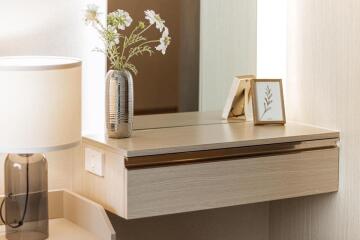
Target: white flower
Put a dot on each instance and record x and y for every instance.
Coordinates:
(120, 18)
(91, 14)
(165, 41)
(112, 36)
(155, 18)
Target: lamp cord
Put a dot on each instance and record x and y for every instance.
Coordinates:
(21, 222)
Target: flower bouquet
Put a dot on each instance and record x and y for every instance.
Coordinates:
(120, 48)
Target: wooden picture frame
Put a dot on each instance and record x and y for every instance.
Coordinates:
(268, 101)
(238, 103)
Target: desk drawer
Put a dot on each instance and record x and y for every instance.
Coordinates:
(157, 185)
(170, 189)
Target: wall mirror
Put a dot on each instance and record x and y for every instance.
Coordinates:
(212, 41)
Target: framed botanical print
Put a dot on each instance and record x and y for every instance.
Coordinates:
(268, 101)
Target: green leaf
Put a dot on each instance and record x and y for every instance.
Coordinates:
(131, 67)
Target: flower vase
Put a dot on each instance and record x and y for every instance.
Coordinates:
(119, 104)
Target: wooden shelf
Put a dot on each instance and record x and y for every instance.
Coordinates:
(204, 162)
(75, 217)
(62, 229)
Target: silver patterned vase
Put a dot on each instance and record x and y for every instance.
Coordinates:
(119, 104)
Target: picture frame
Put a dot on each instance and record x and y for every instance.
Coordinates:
(268, 101)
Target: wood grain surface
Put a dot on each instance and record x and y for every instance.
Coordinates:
(185, 188)
(206, 137)
(110, 190)
(311, 165)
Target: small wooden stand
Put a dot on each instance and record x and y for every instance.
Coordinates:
(239, 102)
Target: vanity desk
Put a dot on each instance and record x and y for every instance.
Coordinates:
(185, 162)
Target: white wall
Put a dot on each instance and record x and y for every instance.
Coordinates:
(94, 71)
(227, 47)
(40, 27)
(271, 39)
(323, 89)
(55, 27)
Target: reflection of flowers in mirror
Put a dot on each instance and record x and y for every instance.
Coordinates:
(155, 18)
(164, 41)
(121, 48)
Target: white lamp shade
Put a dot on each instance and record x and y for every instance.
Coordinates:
(40, 104)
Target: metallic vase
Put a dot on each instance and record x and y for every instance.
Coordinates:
(119, 104)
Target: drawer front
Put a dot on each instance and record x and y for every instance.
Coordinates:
(206, 185)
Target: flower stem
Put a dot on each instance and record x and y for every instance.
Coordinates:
(120, 53)
(125, 45)
(152, 41)
(136, 52)
(123, 51)
(144, 30)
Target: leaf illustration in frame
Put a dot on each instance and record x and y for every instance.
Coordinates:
(267, 101)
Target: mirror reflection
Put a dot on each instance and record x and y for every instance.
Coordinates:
(212, 41)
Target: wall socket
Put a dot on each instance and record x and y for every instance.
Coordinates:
(94, 161)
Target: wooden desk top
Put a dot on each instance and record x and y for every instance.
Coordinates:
(184, 132)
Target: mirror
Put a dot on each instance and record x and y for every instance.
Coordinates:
(212, 41)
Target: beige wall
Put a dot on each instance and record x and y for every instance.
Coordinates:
(323, 89)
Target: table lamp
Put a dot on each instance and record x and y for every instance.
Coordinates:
(40, 109)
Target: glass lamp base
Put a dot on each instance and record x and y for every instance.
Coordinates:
(26, 201)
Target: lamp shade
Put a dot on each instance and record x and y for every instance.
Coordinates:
(40, 104)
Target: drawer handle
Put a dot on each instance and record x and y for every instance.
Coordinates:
(228, 153)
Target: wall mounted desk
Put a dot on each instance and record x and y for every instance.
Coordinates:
(186, 162)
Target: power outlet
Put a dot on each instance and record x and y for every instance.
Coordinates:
(94, 162)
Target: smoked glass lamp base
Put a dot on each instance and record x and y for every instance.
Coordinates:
(26, 201)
